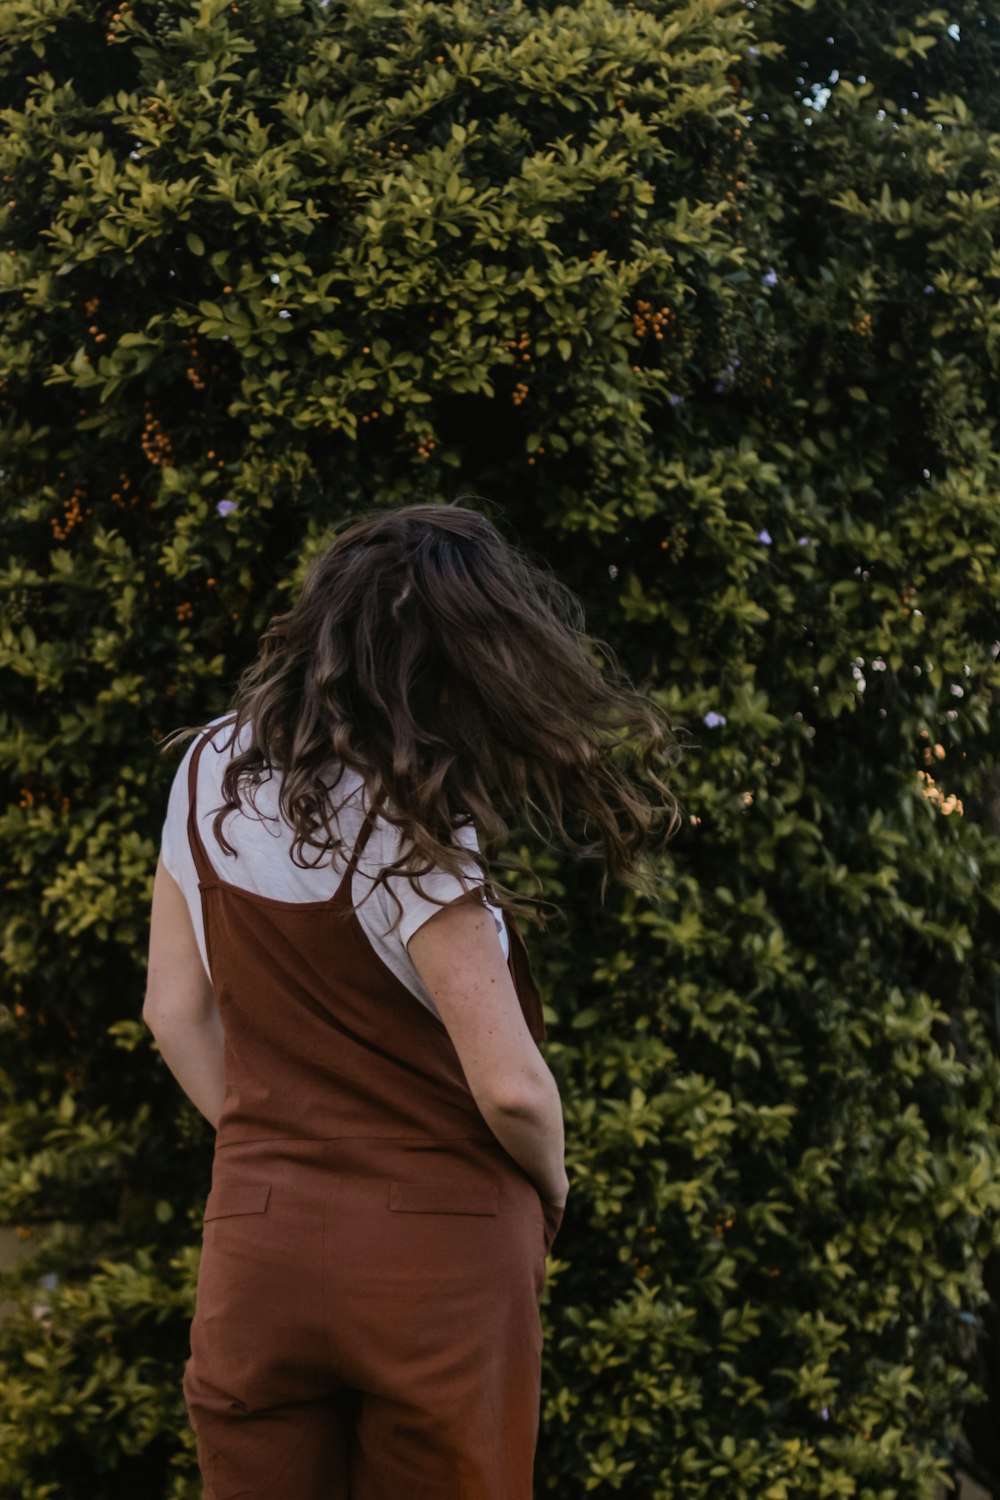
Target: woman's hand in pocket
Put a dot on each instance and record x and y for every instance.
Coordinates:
(552, 1216)
(558, 1198)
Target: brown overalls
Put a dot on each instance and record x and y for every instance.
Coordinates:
(367, 1320)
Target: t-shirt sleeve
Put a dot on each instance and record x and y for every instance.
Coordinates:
(173, 835)
(417, 909)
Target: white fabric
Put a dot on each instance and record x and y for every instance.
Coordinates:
(262, 863)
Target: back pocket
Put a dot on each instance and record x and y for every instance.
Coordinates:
(229, 1198)
(442, 1198)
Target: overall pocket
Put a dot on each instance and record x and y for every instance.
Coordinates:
(229, 1198)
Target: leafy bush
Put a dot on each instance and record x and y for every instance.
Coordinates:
(703, 298)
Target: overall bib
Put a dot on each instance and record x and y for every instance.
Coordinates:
(367, 1321)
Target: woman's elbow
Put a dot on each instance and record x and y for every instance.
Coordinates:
(153, 1013)
(170, 1011)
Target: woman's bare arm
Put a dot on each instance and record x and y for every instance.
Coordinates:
(458, 957)
(180, 1008)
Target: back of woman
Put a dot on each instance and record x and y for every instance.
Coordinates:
(340, 983)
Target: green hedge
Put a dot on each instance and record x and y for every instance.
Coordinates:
(717, 331)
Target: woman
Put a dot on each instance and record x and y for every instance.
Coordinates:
(388, 1175)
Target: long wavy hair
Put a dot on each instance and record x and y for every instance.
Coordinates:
(453, 672)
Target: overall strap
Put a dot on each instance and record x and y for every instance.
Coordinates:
(201, 860)
(343, 892)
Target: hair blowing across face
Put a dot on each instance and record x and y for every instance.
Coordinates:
(454, 675)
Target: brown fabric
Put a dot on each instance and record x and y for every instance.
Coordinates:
(367, 1323)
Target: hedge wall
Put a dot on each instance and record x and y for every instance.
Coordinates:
(703, 298)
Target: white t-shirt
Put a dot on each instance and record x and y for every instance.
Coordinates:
(262, 863)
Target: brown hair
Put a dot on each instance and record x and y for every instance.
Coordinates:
(450, 670)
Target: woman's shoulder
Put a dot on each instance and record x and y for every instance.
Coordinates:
(344, 786)
(226, 744)
(210, 738)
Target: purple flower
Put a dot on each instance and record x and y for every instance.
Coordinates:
(728, 375)
(765, 537)
(751, 52)
(928, 289)
(712, 719)
(613, 569)
(769, 278)
(825, 1414)
(675, 400)
(225, 506)
(804, 541)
